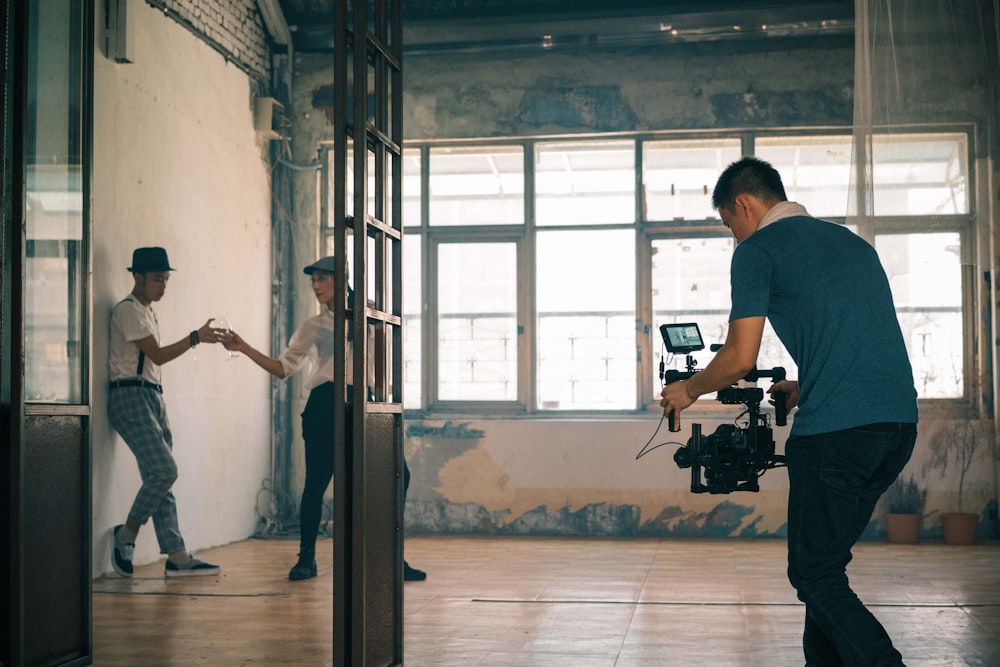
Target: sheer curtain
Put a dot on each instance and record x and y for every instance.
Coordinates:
(917, 64)
(923, 179)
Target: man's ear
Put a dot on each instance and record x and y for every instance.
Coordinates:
(744, 203)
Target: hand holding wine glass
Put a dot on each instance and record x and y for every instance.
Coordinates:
(225, 332)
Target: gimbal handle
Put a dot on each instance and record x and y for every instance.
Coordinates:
(777, 374)
(670, 377)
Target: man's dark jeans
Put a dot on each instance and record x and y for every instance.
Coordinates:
(835, 479)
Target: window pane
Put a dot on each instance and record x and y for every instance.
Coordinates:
(585, 183)
(411, 187)
(349, 194)
(920, 174)
(586, 320)
(925, 275)
(679, 176)
(477, 322)
(55, 276)
(690, 279)
(477, 186)
(412, 340)
(816, 170)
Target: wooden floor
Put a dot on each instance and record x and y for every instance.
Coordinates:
(540, 602)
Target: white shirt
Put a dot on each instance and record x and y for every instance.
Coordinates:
(312, 344)
(131, 321)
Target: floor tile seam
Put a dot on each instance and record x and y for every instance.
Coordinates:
(191, 594)
(709, 603)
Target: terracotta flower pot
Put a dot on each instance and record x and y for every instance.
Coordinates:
(959, 528)
(903, 528)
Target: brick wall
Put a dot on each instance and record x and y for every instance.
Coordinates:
(234, 28)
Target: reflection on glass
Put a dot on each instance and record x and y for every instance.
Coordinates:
(482, 185)
(679, 175)
(584, 183)
(925, 275)
(477, 322)
(55, 277)
(586, 320)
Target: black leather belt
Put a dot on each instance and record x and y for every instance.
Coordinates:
(136, 383)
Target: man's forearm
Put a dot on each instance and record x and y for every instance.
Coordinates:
(723, 371)
(163, 355)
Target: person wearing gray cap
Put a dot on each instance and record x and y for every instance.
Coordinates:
(313, 341)
(138, 413)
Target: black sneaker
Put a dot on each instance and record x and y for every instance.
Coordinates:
(121, 553)
(412, 573)
(194, 567)
(305, 568)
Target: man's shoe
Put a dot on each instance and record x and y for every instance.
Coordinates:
(121, 553)
(412, 574)
(194, 567)
(305, 568)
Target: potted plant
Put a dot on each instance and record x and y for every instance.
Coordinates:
(958, 445)
(904, 510)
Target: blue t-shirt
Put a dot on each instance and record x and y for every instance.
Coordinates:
(827, 296)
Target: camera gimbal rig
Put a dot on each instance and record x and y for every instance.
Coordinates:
(733, 457)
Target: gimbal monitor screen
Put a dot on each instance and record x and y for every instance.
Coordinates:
(682, 338)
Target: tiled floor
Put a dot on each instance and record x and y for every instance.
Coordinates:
(549, 602)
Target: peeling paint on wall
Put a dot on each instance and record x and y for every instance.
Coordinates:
(826, 104)
(600, 108)
(446, 430)
(322, 100)
(461, 485)
(580, 478)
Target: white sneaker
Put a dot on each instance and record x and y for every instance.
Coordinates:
(121, 553)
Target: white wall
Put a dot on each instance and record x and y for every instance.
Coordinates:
(177, 164)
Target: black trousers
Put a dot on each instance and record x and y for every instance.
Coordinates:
(835, 480)
(317, 432)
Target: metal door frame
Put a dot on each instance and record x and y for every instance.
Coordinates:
(368, 472)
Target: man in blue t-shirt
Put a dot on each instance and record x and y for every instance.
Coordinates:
(828, 299)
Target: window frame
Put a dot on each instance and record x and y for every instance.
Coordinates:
(646, 231)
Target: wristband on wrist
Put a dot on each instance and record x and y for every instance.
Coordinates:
(193, 338)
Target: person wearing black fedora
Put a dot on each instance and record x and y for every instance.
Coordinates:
(313, 342)
(138, 413)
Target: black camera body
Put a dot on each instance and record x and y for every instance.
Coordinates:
(735, 456)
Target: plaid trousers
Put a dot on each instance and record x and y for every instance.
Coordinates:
(139, 414)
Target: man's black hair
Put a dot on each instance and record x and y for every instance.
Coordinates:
(751, 176)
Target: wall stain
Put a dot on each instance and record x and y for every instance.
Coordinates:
(595, 519)
(446, 430)
(826, 104)
(600, 108)
(322, 99)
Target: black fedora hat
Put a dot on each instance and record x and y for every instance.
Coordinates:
(146, 260)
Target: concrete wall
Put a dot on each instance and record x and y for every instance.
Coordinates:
(557, 476)
(177, 164)
(597, 90)
(582, 477)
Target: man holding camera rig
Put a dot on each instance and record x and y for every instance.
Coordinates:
(827, 297)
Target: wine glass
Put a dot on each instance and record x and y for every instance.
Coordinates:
(223, 323)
